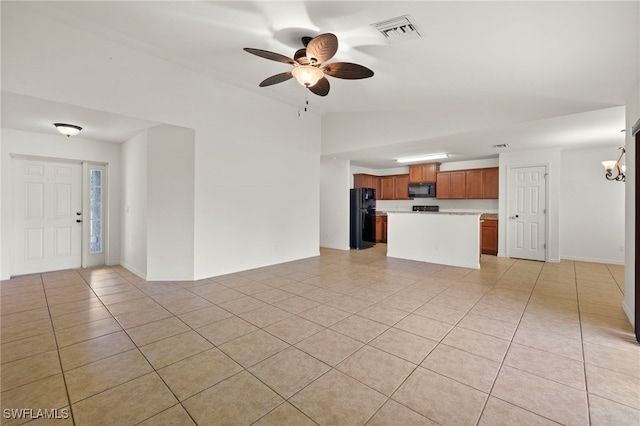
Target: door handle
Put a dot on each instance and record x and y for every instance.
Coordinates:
(514, 217)
(78, 220)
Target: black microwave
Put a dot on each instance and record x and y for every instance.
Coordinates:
(422, 190)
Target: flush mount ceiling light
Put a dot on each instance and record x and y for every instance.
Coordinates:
(68, 129)
(614, 169)
(422, 158)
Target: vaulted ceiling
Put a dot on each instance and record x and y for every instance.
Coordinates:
(531, 74)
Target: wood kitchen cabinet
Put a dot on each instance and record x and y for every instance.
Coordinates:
(482, 183)
(363, 180)
(491, 183)
(489, 237)
(451, 185)
(381, 229)
(423, 172)
(401, 187)
(474, 184)
(468, 184)
(394, 187)
(386, 188)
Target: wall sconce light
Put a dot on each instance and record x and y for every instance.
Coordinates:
(615, 170)
(68, 129)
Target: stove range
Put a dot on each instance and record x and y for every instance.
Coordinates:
(426, 208)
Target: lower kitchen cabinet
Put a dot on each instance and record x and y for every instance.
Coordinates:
(381, 229)
(489, 237)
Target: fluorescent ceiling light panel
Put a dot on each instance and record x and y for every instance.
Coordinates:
(422, 158)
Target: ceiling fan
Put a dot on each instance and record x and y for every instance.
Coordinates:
(309, 68)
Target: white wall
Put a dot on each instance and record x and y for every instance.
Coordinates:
(134, 202)
(16, 142)
(545, 157)
(335, 181)
(632, 116)
(256, 164)
(591, 208)
(471, 164)
(170, 203)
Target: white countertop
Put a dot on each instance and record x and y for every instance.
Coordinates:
(455, 213)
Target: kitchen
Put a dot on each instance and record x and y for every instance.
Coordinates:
(454, 204)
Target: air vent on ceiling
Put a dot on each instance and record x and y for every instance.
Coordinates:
(501, 145)
(397, 29)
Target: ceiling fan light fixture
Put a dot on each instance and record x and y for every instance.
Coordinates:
(307, 75)
(423, 158)
(68, 129)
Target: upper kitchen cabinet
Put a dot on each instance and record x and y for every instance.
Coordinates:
(451, 185)
(394, 187)
(482, 183)
(423, 172)
(401, 187)
(491, 183)
(362, 180)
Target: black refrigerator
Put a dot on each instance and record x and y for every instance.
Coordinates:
(362, 220)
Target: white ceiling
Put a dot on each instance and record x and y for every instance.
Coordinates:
(539, 74)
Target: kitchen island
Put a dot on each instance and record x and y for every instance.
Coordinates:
(445, 238)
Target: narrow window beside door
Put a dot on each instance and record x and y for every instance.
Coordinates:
(95, 214)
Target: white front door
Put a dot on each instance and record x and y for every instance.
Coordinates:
(527, 213)
(47, 216)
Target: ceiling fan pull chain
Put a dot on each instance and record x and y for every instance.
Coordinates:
(301, 112)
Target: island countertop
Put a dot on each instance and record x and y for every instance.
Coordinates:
(453, 213)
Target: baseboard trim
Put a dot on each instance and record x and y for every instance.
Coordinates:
(592, 260)
(629, 312)
(134, 270)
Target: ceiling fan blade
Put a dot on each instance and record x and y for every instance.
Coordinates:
(278, 78)
(322, 48)
(347, 70)
(301, 57)
(270, 55)
(321, 88)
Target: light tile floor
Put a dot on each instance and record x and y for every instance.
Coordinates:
(347, 338)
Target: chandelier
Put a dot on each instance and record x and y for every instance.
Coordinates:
(614, 169)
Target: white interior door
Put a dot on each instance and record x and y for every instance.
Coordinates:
(47, 207)
(527, 213)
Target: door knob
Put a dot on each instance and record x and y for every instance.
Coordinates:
(78, 220)
(514, 217)
(79, 213)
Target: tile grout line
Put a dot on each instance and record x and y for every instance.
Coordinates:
(343, 291)
(55, 335)
(584, 360)
(489, 393)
